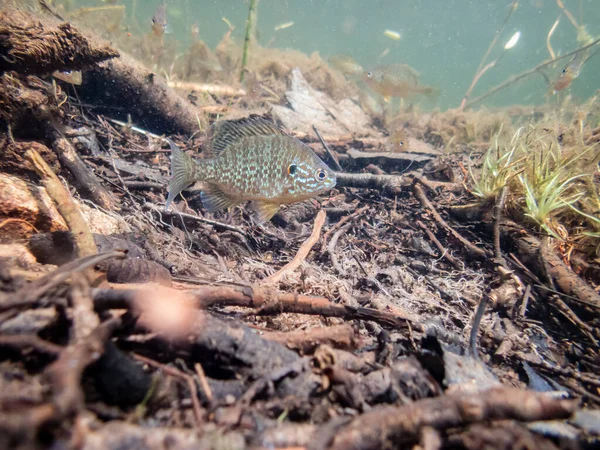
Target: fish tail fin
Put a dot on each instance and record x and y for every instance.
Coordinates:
(183, 172)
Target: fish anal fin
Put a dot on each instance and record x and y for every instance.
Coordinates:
(214, 199)
(264, 211)
(227, 132)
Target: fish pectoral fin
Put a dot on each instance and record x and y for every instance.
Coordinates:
(214, 199)
(264, 211)
(386, 98)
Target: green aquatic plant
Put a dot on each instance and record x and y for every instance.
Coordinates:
(547, 198)
(499, 166)
(548, 181)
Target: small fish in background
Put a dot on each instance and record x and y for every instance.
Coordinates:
(569, 73)
(396, 80)
(346, 64)
(252, 159)
(283, 26)
(71, 76)
(159, 19)
(393, 35)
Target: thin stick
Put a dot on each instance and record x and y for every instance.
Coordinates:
(216, 89)
(342, 221)
(331, 249)
(548, 44)
(443, 251)
(471, 248)
(522, 75)
(250, 36)
(176, 373)
(302, 252)
(567, 13)
(84, 241)
(204, 382)
(479, 72)
(476, 323)
(474, 82)
(326, 147)
(497, 219)
(30, 340)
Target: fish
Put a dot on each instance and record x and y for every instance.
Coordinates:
(569, 73)
(251, 159)
(69, 76)
(394, 35)
(159, 19)
(346, 64)
(283, 26)
(396, 80)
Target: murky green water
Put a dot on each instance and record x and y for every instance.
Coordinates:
(443, 40)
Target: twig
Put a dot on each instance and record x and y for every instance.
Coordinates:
(216, 89)
(341, 222)
(250, 36)
(218, 225)
(266, 299)
(471, 248)
(30, 340)
(399, 426)
(479, 72)
(303, 251)
(525, 301)
(476, 323)
(84, 241)
(571, 316)
(498, 208)
(550, 33)
(526, 73)
(567, 13)
(44, 4)
(176, 373)
(33, 292)
(336, 164)
(474, 82)
(443, 251)
(331, 249)
(387, 183)
(204, 382)
(306, 341)
(85, 180)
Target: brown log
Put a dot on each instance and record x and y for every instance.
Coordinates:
(128, 86)
(40, 46)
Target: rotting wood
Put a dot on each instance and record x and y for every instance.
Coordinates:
(35, 45)
(84, 241)
(85, 180)
(145, 96)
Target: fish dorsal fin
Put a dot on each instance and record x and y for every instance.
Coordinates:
(227, 132)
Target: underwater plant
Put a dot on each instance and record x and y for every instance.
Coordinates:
(550, 183)
(498, 168)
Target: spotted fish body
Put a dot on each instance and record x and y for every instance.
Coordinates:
(252, 160)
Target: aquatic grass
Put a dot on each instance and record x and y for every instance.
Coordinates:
(497, 170)
(544, 201)
(547, 181)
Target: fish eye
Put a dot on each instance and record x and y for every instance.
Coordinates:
(370, 74)
(320, 174)
(291, 170)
